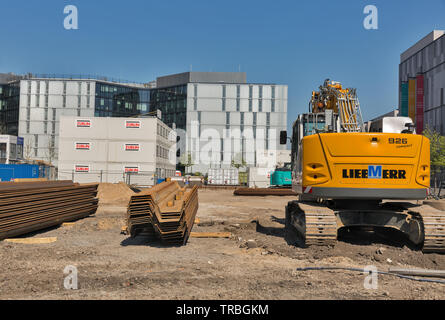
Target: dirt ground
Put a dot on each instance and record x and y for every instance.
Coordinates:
(113, 266)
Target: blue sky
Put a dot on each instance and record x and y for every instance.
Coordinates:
(298, 43)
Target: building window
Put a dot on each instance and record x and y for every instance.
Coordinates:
(37, 100)
(80, 88)
(88, 88)
(238, 91)
(54, 114)
(64, 101)
(250, 92)
(54, 127)
(46, 101)
(254, 118)
(268, 118)
(224, 104)
(46, 114)
(242, 118)
(224, 91)
(78, 112)
(250, 105)
(260, 92)
(195, 104)
(36, 140)
(78, 102)
(29, 100)
(45, 127)
(273, 105)
(64, 87)
(28, 113)
(47, 87)
(227, 117)
(260, 105)
(29, 87)
(27, 126)
(195, 90)
(273, 92)
(38, 87)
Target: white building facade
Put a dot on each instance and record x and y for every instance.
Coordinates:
(221, 118)
(94, 149)
(32, 107)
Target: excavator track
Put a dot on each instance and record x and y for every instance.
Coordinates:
(316, 224)
(433, 227)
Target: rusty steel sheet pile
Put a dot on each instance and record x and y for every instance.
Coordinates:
(166, 212)
(30, 206)
(264, 192)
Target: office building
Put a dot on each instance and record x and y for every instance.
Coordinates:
(31, 106)
(221, 118)
(422, 82)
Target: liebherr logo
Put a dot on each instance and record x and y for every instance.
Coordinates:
(373, 172)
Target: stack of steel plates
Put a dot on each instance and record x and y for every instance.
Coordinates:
(31, 206)
(166, 211)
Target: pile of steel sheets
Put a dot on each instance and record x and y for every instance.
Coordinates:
(264, 192)
(29, 206)
(166, 212)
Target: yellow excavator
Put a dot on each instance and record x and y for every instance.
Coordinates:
(350, 176)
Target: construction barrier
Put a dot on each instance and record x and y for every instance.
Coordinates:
(166, 212)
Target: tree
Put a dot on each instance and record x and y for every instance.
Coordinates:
(238, 162)
(27, 149)
(186, 160)
(437, 143)
(50, 151)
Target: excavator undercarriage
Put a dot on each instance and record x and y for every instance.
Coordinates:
(319, 223)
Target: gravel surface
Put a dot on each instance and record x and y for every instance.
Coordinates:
(258, 262)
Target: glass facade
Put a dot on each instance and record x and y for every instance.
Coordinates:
(120, 101)
(172, 102)
(9, 108)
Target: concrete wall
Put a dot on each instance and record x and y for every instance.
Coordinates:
(109, 147)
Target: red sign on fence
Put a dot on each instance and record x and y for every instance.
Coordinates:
(131, 169)
(82, 168)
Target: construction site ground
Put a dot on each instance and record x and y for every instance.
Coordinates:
(112, 265)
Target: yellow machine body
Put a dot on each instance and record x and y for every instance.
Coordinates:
(364, 166)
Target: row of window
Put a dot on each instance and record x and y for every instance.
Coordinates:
(164, 173)
(162, 131)
(162, 152)
(79, 87)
